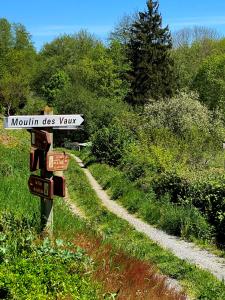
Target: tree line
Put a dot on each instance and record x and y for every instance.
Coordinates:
(153, 104)
(141, 63)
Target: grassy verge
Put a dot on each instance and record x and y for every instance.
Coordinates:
(200, 284)
(32, 268)
(180, 220)
(152, 199)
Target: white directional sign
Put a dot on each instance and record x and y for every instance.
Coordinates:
(55, 121)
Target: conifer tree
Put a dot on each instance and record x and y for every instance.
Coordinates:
(148, 50)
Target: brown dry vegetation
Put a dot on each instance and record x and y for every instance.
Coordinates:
(7, 139)
(128, 277)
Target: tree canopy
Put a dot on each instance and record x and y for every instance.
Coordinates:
(148, 50)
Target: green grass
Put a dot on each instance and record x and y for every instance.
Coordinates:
(14, 172)
(180, 220)
(32, 268)
(199, 283)
(21, 209)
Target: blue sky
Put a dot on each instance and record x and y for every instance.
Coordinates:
(46, 19)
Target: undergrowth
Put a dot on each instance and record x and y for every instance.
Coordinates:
(35, 269)
(121, 235)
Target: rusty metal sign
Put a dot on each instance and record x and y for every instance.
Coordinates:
(40, 139)
(59, 186)
(42, 187)
(56, 161)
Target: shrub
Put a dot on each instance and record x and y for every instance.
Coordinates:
(109, 144)
(203, 191)
(136, 161)
(33, 106)
(180, 114)
(184, 123)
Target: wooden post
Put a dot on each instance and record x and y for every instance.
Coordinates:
(47, 204)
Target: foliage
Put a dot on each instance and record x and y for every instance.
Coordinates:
(122, 236)
(30, 269)
(17, 64)
(33, 105)
(56, 83)
(180, 114)
(109, 144)
(183, 123)
(209, 82)
(189, 56)
(137, 162)
(97, 112)
(79, 74)
(151, 74)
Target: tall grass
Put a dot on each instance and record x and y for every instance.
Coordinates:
(180, 220)
(31, 268)
(121, 235)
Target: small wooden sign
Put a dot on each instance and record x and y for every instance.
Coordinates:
(42, 187)
(59, 186)
(56, 161)
(37, 158)
(40, 139)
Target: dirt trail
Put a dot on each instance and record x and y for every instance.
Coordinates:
(182, 249)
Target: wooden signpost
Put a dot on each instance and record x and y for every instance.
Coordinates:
(43, 158)
(40, 139)
(37, 159)
(59, 186)
(42, 187)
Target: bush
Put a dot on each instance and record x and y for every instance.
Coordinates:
(185, 126)
(137, 162)
(109, 144)
(155, 203)
(201, 190)
(180, 114)
(33, 106)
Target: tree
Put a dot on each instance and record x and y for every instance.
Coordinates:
(152, 75)
(210, 82)
(17, 63)
(121, 32)
(22, 38)
(57, 82)
(191, 47)
(6, 38)
(188, 35)
(15, 81)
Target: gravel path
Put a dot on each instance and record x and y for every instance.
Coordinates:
(180, 248)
